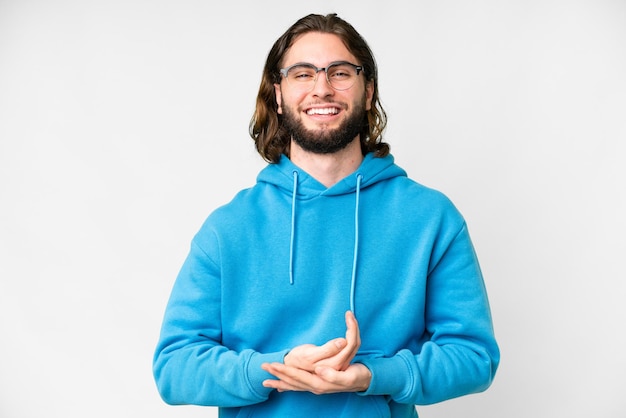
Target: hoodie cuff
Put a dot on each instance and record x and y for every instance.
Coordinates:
(390, 376)
(256, 375)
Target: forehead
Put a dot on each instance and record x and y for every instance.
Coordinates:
(317, 48)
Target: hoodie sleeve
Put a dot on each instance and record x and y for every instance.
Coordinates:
(191, 366)
(461, 355)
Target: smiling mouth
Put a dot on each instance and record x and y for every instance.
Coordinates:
(323, 111)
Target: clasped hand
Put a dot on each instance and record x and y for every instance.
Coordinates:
(322, 369)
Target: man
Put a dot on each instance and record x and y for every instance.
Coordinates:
(262, 319)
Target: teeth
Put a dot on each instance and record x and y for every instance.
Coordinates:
(323, 111)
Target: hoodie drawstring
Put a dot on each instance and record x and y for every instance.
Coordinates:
(356, 241)
(359, 178)
(293, 224)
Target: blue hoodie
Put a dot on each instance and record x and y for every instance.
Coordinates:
(280, 264)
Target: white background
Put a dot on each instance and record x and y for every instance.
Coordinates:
(124, 123)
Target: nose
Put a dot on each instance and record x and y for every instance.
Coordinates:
(322, 87)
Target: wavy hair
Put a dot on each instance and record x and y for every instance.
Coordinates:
(266, 127)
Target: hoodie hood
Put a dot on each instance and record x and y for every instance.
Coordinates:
(372, 170)
(294, 181)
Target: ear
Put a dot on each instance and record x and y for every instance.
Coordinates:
(369, 94)
(279, 98)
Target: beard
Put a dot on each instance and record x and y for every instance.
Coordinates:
(324, 140)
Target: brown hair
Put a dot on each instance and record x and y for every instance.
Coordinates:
(266, 128)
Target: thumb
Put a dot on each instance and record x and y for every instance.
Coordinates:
(335, 346)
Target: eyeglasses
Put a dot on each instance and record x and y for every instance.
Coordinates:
(341, 75)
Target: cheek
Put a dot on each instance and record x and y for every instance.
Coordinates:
(289, 100)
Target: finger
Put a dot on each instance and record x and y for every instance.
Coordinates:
(282, 385)
(331, 348)
(279, 385)
(329, 380)
(353, 342)
(356, 379)
(306, 356)
(289, 378)
(320, 353)
(285, 373)
(342, 360)
(353, 336)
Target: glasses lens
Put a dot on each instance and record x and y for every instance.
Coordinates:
(341, 76)
(302, 74)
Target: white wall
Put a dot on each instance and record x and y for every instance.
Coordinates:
(124, 123)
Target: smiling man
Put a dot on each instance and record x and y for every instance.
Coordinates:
(325, 117)
(336, 286)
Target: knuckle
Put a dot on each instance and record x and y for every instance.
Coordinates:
(317, 388)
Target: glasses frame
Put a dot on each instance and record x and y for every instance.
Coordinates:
(357, 68)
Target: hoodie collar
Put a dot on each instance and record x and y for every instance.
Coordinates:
(372, 170)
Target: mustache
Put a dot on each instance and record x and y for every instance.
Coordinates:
(317, 103)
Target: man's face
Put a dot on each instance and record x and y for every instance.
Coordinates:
(322, 120)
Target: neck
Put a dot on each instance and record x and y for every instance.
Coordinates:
(328, 169)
